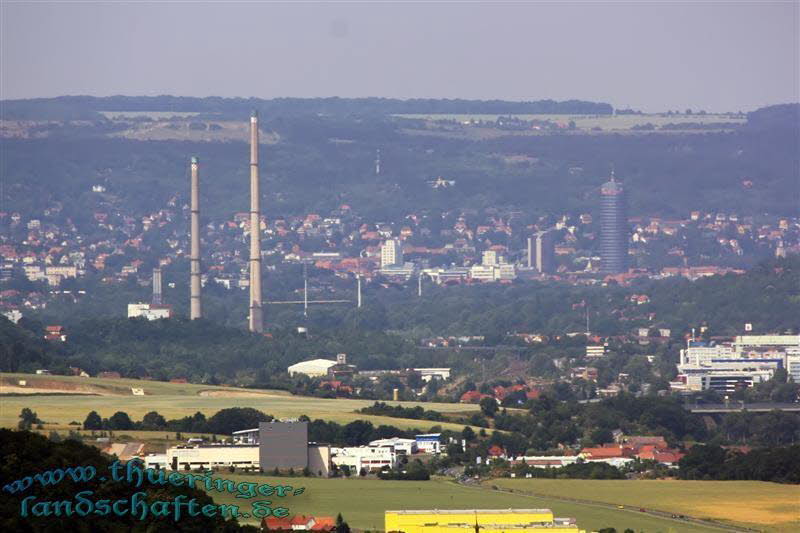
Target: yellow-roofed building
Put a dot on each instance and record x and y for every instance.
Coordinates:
(478, 521)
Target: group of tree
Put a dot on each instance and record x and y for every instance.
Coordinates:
(779, 464)
(223, 422)
(24, 454)
(398, 411)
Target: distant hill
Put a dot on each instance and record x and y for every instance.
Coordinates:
(89, 107)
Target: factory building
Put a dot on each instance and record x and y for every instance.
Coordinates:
(369, 458)
(283, 445)
(149, 311)
(313, 368)
(487, 521)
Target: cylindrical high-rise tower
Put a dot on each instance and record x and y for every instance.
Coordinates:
(256, 318)
(613, 228)
(195, 309)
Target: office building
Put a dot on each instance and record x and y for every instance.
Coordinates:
(391, 253)
(747, 360)
(545, 252)
(613, 228)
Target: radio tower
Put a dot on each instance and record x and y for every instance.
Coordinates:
(256, 317)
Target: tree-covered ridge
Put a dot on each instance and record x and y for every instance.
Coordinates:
(307, 169)
(82, 107)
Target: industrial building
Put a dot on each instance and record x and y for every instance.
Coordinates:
(401, 446)
(485, 520)
(149, 311)
(312, 368)
(744, 362)
(429, 442)
(283, 445)
(370, 458)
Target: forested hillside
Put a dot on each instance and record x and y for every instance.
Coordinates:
(317, 161)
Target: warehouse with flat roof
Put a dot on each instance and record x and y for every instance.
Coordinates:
(483, 520)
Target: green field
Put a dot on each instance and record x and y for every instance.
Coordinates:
(362, 502)
(606, 122)
(754, 504)
(179, 400)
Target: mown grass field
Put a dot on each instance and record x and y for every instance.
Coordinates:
(363, 502)
(606, 122)
(754, 504)
(179, 400)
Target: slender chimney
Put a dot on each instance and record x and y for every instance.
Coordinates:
(256, 317)
(195, 309)
(156, 286)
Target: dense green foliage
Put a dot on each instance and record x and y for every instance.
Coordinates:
(398, 411)
(781, 464)
(379, 335)
(24, 454)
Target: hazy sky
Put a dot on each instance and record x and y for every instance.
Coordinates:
(719, 56)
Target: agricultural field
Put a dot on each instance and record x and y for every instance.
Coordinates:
(617, 123)
(759, 505)
(328, 497)
(46, 396)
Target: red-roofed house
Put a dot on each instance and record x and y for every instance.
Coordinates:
(298, 523)
(607, 452)
(55, 333)
(473, 396)
(496, 451)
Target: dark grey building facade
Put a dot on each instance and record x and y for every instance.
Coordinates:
(283, 445)
(545, 252)
(613, 228)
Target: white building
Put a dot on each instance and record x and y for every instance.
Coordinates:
(429, 442)
(391, 253)
(149, 311)
(211, 456)
(428, 374)
(313, 368)
(401, 446)
(370, 458)
(498, 272)
(793, 367)
(595, 351)
(13, 315)
(748, 360)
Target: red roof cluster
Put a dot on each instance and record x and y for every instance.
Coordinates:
(298, 522)
(644, 447)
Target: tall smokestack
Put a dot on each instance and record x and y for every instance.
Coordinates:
(156, 286)
(195, 309)
(256, 317)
